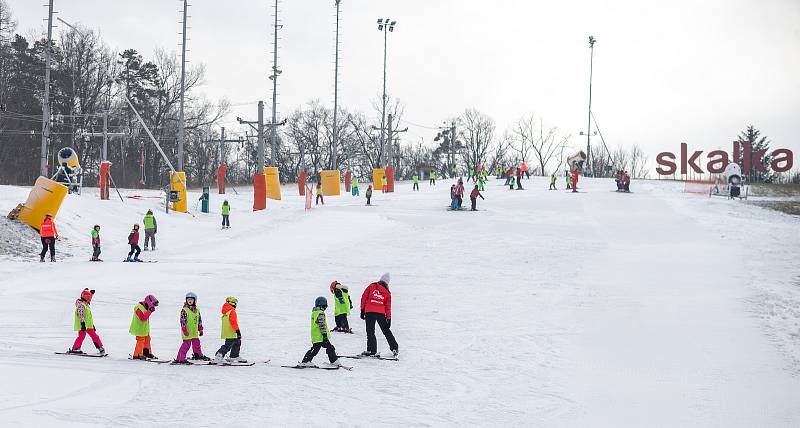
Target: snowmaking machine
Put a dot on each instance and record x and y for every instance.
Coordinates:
(731, 184)
(576, 161)
(69, 172)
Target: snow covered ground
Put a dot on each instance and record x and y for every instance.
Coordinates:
(545, 308)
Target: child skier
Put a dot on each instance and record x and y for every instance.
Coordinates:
(368, 194)
(320, 336)
(354, 187)
(575, 180)
(415, 180)
(553, 182)
(191, 330)
(473, 197)
(319, 194)
(96, 243)
(133, 241)
(384, 184)
(226, 212)
(341, 307)
(140, 327)
(432, 181)
(569, 181)
(84, 324)
(231, 334)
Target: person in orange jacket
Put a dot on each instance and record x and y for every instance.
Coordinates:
(231, 334)
(49, 234)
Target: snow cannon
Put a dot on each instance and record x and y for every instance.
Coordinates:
(576, 161)
(331, 182)
(733, 174)
(69, 171)
(45, 197)
(178, 184)
(733, 186)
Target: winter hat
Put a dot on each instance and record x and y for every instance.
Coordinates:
(87, 294)
(151, 300)
(385, 278)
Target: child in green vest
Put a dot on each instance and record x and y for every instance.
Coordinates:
(432, 181)
(226, 212)
(84, 324)
(319, 195)
(231, 334)
(191, 330)
(354, 187)
(415, 179)
(341, 307)
(140, 327)
(569, 182)
(369, 193)
(320, 336)
(96, 243)
(553, 182)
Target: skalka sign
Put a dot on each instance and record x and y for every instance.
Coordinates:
(782, 160)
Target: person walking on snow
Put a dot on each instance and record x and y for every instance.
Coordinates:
(553, 182)
(96, 244)
(319, 195)
(415, 180)
(368, 194)
(524, 169)
(230, 333)
(376, 307)
(84, 324)
(519, 179)
(432, 181)
(473, 197)
(140, 327)
(354, 187)
(341, 307)
(150, 230)
(49, 234)
(384, 184)
(191, 330)
(459, 194)
(320, 335)
(226, 213)
(133, 241)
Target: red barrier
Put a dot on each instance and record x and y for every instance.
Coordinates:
(105, 170)
(221, 178)
(259, 192)
(390, 178)
(301, 182)
(348, 176)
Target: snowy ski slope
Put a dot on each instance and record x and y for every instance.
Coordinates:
(545, 308)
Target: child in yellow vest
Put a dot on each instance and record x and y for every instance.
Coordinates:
(231, 334)
(140, 327)
(84, 324)
(320, 335)
(191, 330)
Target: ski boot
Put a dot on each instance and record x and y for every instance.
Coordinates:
(128, 259)
(146, 249)
(200, 357)
(368, 354)
(180, 362)
(305, 364)
(394, 353)
(74, 351)
(149, 355)
(101, 350)
(218, 359)
(139, 357)
(236, 360)
(136, 259)
(52, 258)
(41, 259)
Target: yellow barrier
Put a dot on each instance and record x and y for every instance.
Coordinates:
(273, 183)
(45, 197)
(178, 182)
(377, 175)
(331, 182)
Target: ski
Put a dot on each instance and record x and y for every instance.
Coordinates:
(82, 354)
(319, 367)
(190, 363)
(372, 357)
(140, 261)
(149, 360)
(231, 364)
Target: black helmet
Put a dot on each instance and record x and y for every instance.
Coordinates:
(321, 302)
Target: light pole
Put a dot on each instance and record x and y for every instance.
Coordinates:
(274, 77)
(387, 26)
(181, 123)
(592, 40)
(336, 93)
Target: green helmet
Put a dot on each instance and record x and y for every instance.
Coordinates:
(232, 300)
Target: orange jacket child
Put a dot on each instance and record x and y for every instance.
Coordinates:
(230, 333)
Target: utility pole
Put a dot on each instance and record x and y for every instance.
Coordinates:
(104, 156)
(261, 160)
(392, 132)
(274, 77)
(592, 41)
(385, 26)
(335, 94)
(46, 101)
(181, 123)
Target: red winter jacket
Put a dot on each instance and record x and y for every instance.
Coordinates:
(475, 194)
(48, 229)
(133, 238)
(377, 299)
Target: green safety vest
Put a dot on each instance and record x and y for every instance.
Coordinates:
(226, 209)
(149, 221)
(227, 329)
(87, 316)
(139, 327)
(316, 335)
(95, 234)
(433, 175)
(552, 179)
(383, 181)
(319, 190)
(415, 179)
(192, 324)
(341, 308)
(355, 183)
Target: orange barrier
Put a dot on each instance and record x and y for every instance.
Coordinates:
(377, 175)
(105, 170)
(178, 183)
(259, 192)
(221, 178)
(273, 181)
(390, 179)
(331, 182)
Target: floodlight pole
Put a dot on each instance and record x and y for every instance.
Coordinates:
(385, 27)
(592, 41)
(181, 121)
(336, 94)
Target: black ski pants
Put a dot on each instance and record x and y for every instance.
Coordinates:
(329, 349)
(372, 342)
(48, 244)
(232, 345)
(341, 321)
(226, 221)
(474, 201)
(96, 252)
(134, 249)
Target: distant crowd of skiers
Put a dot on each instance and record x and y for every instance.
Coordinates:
(376, 308)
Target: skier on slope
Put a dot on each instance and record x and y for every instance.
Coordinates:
(368, 193)
(354, 187)
(49, 235)
(432, 181)
(96, 243)
(376, 307)
(415, 180)
(150, 230)
(459, 194)
(230, 333)
(226, 213)
(341, 306)
(384, 184)
(84, 324)
(140, 327)
(320, 335)
(473, 197)
(133, 241)
(575, 179)
(319, 195)
(553, 182)
(191, 330)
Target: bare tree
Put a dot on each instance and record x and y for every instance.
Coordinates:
(638, 163)
(477, 134)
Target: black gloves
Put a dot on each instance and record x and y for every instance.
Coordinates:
(83, 326)
(363, 317)
(238, 334)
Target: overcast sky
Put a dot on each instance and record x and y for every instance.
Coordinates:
(664, 72)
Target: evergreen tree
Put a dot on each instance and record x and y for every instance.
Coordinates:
(757, 142)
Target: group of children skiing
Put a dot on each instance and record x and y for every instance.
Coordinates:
(375, 308)
(457, 196)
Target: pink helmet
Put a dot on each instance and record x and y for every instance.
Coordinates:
(151, 301)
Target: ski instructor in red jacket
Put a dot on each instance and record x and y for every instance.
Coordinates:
(376, 306)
